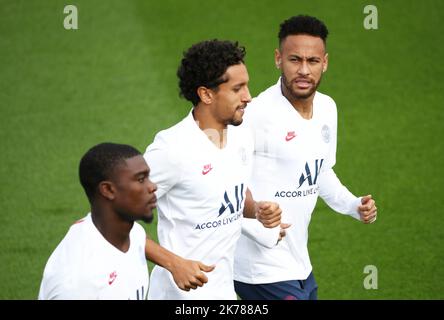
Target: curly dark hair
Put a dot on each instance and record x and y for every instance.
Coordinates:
(303, 24)
(204, 64)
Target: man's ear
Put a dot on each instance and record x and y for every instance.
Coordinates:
(205, 95)
(107, 190)
(325, 66)
(277, 58)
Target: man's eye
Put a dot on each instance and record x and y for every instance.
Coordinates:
(141, 179)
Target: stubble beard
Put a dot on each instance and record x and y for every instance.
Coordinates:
(297, 96)
(236, 122)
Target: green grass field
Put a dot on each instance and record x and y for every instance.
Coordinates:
(113, 79)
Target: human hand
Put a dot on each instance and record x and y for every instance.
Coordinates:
(268, 213)
(283, 233)
(367, 210)
(189, 274)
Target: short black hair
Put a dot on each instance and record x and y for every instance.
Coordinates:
(204, 64)
(303, 24)
(98, 163)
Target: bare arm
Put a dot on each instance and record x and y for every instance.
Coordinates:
(186, 273)
(268, 213)
(250, 207)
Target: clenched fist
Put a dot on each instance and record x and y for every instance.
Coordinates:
(268, 213)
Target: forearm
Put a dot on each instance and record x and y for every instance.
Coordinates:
(266, 212)
(336, 195)
(159, 255)
(254, 230)
(250, 206)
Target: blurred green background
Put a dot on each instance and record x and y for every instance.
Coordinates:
(113, 79)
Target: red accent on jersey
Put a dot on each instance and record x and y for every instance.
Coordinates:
(290, 135)
(79, 221)
(207, 168)
(112, 277)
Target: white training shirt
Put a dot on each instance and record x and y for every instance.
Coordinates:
(86, 266)
(293, 163)
(201, 194)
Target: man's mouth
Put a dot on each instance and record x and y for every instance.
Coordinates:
(302, 83)
(153, 202)
(242, 108)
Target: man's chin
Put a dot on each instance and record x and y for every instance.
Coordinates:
(237, 122)
(303, 94)
(148, 218)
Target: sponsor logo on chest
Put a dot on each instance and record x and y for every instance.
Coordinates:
(230, 210)
(307, 184)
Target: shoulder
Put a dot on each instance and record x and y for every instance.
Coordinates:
(326, 106)
(64, 261)
(74, 241)
(271, 94)
(325, 101)
(170, 142)
(260, 105)
(170, 135)
(138, 230)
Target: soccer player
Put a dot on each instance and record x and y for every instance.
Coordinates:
(201, 167)
(103, 255)
(295, 129)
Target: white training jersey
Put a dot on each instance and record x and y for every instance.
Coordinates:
(86, 266)
(293, 161)
(201, 193)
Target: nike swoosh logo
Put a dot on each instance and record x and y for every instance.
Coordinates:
(289, 137)
(205, 171)
(112, 277)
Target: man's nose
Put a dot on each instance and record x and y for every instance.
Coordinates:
(247, 96)
(304, 69)
(152, 187)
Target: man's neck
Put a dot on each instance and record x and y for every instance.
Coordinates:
(214, 130)
(303, 106)
(114, 229)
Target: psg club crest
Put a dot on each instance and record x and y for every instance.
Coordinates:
(325, 132)
(243, 156)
